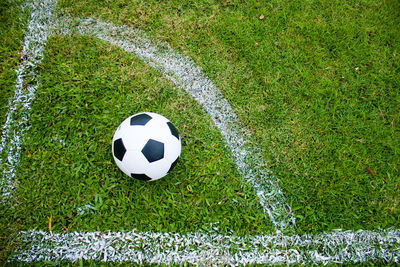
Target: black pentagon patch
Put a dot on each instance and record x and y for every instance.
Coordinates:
(173, 165)
(141, 177)
(153, 150)
(119, 149)
(173, 130)
(140, 119)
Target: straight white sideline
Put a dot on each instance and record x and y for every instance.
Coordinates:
(211, 248)
(16, 125)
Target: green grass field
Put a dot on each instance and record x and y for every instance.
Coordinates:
(316, 83)
(11, 36)
(92, 86)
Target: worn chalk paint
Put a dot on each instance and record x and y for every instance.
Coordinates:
(152, 247)
(16, 125)
(211, 248)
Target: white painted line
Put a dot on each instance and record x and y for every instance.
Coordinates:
(16, 125)
(210, 249)
(198, 247)
(183, 72)
(179, 69)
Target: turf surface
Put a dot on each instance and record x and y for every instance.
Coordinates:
(67, 171)
(12, 20)
(315, 82)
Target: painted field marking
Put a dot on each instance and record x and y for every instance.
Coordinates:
(140, 247)
(211, 248)
(16, 125)
(183, 72)
(177, 68)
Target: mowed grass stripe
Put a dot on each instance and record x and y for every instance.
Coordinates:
(67, 171)
(315, 82)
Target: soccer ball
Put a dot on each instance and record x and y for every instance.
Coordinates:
(146, 146)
